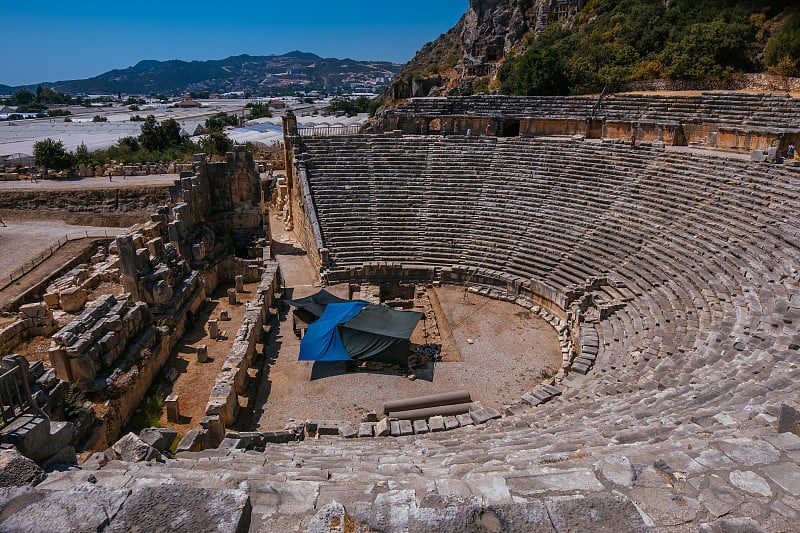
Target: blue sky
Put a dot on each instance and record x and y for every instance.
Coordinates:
(51, 41)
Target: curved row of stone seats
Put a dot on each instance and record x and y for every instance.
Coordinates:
(695, 237)
(672, 429)
(539, 472)
(757, 110)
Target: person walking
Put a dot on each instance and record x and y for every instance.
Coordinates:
(790, 151)
(633, 140)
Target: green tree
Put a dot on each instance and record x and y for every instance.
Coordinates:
(782, 54)
(51, 155)
(170, 133)
(22, 97)
(350, 107)
(539, 71)
(151, 137)
(258, 110)
(216, 143)
(218, 121)
(709, 50)
(82, 155)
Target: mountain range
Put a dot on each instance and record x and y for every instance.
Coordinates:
(256, 75)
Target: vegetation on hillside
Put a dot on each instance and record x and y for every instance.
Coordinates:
(615, 42)
(353, 106)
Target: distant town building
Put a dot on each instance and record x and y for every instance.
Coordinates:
(188, 104)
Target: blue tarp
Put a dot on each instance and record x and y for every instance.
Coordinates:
(322, 341)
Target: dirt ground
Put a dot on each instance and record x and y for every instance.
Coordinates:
(503, 350)
(495, 350)
(195, 380)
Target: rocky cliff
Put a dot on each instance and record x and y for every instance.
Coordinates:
(538, 47)
(473, 49)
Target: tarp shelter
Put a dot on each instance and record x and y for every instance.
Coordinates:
(310, 308)
(360, 331)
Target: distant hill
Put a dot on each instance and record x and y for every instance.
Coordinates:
(257, 75)
(580, 46)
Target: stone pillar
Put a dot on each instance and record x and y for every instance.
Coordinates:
(127, 255)
(173, 411)
(202, 353)
(239, 285)
(232, 296)
(213, 328)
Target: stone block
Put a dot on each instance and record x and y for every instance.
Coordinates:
(35, 310)
(450, 422)
(789, 420)
(365, 429)
(60, 362)
(202, 353)
(382, 429)
(232, 296)
(159, 438)
(132, 448)
(213, 328)
(239, 283)
(162, 292)
(436, 424)
(327, 428)
(394, 428)
(169, 374)
(16, 470)
(464, 420)
(421, 427)
(72, 299)
(406, 428)
(173, 410)
(347, 431)
(223, 315)
(51, 299)
(193, 441)
(310, 428)
(483, 414)
(82, 369)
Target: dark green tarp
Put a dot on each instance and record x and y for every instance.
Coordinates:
(360, 332)
(379, 334)
(310, 308)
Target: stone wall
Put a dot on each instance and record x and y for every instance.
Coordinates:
(86, 200)
(232, 380)
(304, 216)
(34, 319)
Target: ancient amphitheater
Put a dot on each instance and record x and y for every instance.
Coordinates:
(670, 271)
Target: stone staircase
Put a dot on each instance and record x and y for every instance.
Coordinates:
(533, 472)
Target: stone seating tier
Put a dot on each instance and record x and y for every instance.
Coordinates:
(736, 110)
(673, 428)
(697, 238)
